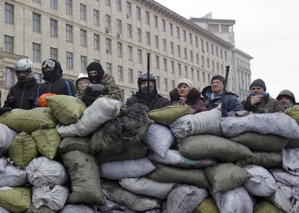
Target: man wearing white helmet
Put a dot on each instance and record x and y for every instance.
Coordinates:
(81, 82)
(22, 94)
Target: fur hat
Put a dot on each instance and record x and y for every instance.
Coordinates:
(185, 81)
(218, 77)
(258, 82)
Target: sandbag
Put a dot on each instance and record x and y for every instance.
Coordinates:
(43, 171)
(3, 210)
(117, 170)
(174, 158)
(85, 179)
(210, 146)
(265, 206)
(159, 139)
(73, 143)
(6, 137)
(111, 206)
(101, 110)
(285, 177)
(262, 183)
(29, 120)
(207, 122)
(42, 209)
(208, 205)
(258, 142)
(293, 112)
(290, 160)
(185, 198)
(293, 143)
(226, 176)
(67, 109)
(76, 208)
(22, 150)
(167, 174)
(47, 141)
(11, 175)
(146, 186)
(166, 115)
(265, 123)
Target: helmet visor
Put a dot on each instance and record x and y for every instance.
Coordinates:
(48, 63)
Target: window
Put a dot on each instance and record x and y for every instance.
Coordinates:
(139, 56)
(180, 69)
(202, 62)
(156, 21)
(171, 47)
(83, 12)
(192, 73)
(130, 53)
(184, 35)
(207, 46)
(170, 29)
(8, 44)
(172, 84)
(178, 32)
(185, 53)
(53, 53)
(129, 8)
(108, 22)
(38, 1)
(147, 17)
(164, 64)
(203, 77)
(202, 46)
(53, 4)
(108, 3)
(197, 75)
(38, 77)
(196, 41)
(139, 36)
(212, 49)
(158, 82)
(36, 52)
(129, 30)
(69, 60)
(138, 13)
(216, 50)
(179, 50)
(225, 55)
(69, 7)
(130, 75)
(120, 73)
(118, 26)
(83, 63)
(165, 84)
(69, 32)
(53, 28)
(157, 41)
(186, 71)
(209, 78)
(9, 13)
(108, 45)
(96, 41)
(157, 62)
(213, 66)
(36, 22)
(217, 67)
(190, 38)
(148, 38)
(119, 49)
(9, 77)
(191, 56)
(83, 38)
(221, 56)
(108, 68)
(163, 25)
(197, 58)
(222, 68)
(208, 63)
(118, 5)
(164, 44)
(96, 17)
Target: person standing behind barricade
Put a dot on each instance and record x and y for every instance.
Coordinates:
(147, 94)
(186, 95)
(82, 81)
(259, 101)
(22, 94)
(230, 100)
(286, 98)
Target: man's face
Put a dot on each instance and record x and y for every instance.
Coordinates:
(144, 83)
(257, 89)
(217, 86)
(284, 100)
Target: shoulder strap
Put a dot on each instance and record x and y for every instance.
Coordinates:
(68, 87)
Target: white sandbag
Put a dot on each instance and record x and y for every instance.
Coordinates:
(290, 160)
(159, 139)
(3, 210)
(174, 158)
(6, 137)
(109, 206)
(146, 186)
(77, 208)
(207, 122)
(43, 171)
(262, 184)
(102, 110)
(237, 200)
(118, 170)
(269, 123)
(52, 197)
(11, 175)
(285, 177)
(185, 198)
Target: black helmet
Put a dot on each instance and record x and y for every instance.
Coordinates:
(143, 77)
(287, 93)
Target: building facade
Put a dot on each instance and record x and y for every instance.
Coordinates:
(120, 34)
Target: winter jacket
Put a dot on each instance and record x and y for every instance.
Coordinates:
(24, 95)
(230, 102)
(193, 99)
(268, 105)
(155, 101)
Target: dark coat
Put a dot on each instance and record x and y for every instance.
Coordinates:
(193, 99)
(154, 102)
(268, 105)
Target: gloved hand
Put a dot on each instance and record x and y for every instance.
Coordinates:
(11, 101)
(88, 100)
(95, 90)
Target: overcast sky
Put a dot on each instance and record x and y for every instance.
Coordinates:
(268, 30)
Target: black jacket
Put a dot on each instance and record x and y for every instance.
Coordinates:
(153, 102)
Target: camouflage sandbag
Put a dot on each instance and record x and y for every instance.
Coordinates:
(22, 150)
(6, 137)
(135, 151)
(167, 174)
(265, 159)
(85, 179)
(73, 143)
(258, 142)
(29, 120)
(226, 176)
(166, 115)
(122, 132)
(293, 112)
(198, 147)
(47, 141)
(15, 199)
(67, 109)
(42, 209)
(208, 205)
(293, 143)
(265, 206)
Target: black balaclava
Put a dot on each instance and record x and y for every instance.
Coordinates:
(55, 73)
(97, 67)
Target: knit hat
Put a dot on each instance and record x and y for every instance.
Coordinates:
(218, 77)
(97, 67)
(185, 81)
(258, 82)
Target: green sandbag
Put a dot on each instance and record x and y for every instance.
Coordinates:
(22, 150)
(207, 206)
(166, 115)
(15, 199)
(29, 120)
(266, 207)
(73, 143)
(293, 143)
(85, 179)
(226, 176)
(47, 141)
(67, 109)
(42, 209)
(135, 151)
(167, 174)
(267, 160)
(199, 147)
(258, 142)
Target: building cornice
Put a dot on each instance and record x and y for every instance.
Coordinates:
(242, 53)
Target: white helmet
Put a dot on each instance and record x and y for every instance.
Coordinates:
(81, 76)
(24, 65)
